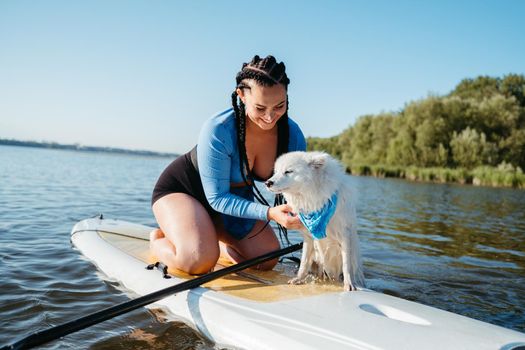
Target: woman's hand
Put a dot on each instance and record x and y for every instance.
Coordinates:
(283, 215)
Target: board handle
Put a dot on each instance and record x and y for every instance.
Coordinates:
(161, 267)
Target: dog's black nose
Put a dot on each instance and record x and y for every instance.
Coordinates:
(269, 183)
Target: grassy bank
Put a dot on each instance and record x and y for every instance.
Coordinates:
(502, 176)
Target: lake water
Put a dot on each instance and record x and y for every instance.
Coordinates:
(457, 248)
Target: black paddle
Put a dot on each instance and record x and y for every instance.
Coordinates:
(59, 331)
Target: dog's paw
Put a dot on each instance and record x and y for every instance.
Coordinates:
(349, 287)
(296, 280)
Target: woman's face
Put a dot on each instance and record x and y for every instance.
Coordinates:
(265, 105)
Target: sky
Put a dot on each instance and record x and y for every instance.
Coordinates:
(147, 74)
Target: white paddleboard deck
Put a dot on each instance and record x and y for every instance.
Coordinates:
(259, 310)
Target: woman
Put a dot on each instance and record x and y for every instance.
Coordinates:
(204, 200)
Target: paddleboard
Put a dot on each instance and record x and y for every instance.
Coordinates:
(259, 310)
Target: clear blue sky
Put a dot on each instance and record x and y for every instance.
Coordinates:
(146, 74)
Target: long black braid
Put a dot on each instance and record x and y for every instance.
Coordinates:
(265, 72)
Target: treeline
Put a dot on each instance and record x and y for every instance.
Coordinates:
(478, 128)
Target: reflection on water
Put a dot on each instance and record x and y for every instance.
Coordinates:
(162, 334)
(458, 248)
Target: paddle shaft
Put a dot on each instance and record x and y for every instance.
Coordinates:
(59, 331)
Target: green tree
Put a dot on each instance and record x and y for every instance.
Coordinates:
(513, 148)
(481, 122)
(514, 85)
(478, 88)
(471, 149)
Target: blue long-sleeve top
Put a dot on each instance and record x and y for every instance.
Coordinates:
(218, 159)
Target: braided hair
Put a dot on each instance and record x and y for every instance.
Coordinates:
(265, 72)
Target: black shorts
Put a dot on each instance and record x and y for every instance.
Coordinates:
(181, 176)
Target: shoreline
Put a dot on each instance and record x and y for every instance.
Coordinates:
(78, 147)
(503, 176)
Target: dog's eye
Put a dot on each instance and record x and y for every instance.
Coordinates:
(288, 172)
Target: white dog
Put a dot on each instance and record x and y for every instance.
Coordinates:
(316, 187)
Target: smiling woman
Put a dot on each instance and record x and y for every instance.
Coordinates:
(265, 105)
(204, 201)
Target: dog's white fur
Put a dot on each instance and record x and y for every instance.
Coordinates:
(308, 180)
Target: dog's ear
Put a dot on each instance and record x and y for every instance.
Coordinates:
(318, 160)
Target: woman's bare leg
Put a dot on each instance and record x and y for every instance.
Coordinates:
(187, 239)
(256, 243)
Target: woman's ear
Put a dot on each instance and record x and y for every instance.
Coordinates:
(240, 93)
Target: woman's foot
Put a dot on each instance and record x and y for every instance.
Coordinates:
(153, 236)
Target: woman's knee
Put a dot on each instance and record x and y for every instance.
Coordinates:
(196, 262)
(189, 228)
(191, 262)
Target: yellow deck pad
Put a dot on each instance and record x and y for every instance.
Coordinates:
(262, 286)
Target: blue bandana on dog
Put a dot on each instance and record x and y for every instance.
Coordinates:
(317, 221)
